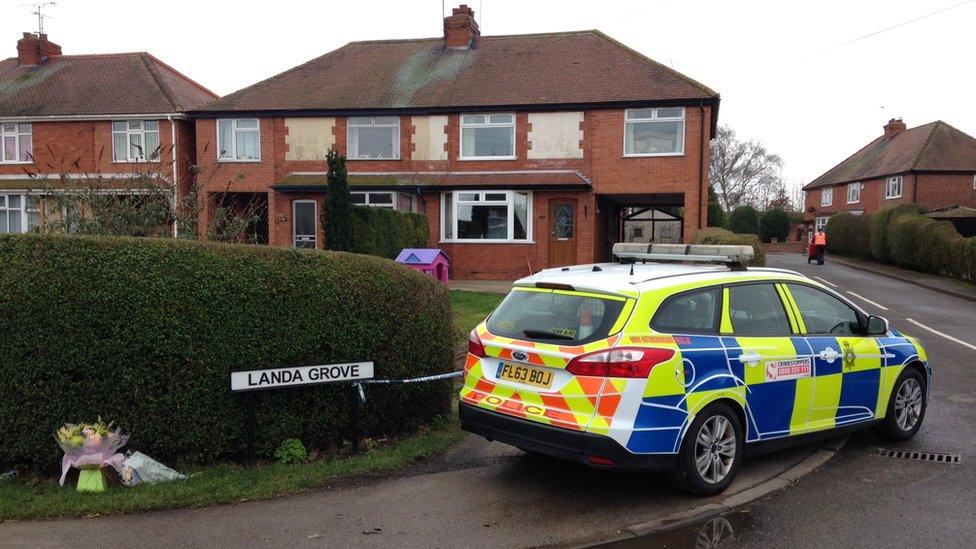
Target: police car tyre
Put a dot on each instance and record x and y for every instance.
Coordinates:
(906, 407)
(710, 452)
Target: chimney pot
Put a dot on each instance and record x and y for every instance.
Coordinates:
(894, 126)
(460, 28)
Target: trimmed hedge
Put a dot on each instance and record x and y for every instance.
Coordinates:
(718, 236)
(849, 234)
(774, 223)
(146, 332)
(384, 232)
(744, 220)
(880, 229)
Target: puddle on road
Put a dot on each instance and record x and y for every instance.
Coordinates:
(723, 531)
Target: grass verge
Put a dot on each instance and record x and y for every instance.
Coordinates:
(223, 483)
(470, 308)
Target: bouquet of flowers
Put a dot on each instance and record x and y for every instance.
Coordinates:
(89, 447)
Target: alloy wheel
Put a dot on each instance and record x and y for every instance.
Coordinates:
(908, 404)
(715, 448)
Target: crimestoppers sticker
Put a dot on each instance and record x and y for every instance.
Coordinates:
(780, 370)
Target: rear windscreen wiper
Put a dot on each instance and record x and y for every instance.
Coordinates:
(539, 334)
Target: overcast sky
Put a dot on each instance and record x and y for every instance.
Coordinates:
(797, 76)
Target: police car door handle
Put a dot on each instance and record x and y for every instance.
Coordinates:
(829, 354)
(750, 359)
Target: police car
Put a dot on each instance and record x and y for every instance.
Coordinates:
(681, 359)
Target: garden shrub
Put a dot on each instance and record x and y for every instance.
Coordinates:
(880, 228)
(717, 236)
(775, 223)
(384, 232)
(744, 220)
(849, 234)
(146, 332)
(291, 452)
(923, 244)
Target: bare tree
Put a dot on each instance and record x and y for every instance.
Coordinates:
(744, 172)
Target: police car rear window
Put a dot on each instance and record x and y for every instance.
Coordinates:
(555, 317)
(689, 312)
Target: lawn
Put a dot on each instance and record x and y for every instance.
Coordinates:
(22, 499)
(470, 308)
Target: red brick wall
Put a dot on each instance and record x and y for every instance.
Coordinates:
(602, 162)
(933, 191)
(941, 190)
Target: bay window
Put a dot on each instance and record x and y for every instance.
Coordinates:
(374, 138)
(16, 143)
(135, 140)
(654, 132)
(486, 216)
(239, 139)
(487, 136)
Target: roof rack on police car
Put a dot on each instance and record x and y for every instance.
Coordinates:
(735, 257)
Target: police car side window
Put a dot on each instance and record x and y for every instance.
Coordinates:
(823, 313)
(689, 312)
(757, 310)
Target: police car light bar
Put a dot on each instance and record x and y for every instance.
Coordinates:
(734, 256)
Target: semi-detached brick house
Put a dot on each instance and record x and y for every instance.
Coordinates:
(524, 151)
(64, 117)
(933, 165)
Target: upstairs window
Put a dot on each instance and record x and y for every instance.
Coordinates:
(239, 139)
(16, 143)
(853, 193)
(374, 137)
(487, 136)
(652, 132)
(827, 196)
(135, 141)
(893, 187)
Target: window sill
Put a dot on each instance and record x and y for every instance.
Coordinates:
(487, 242)
(231, 161)
(483, 158)
(351, 159)
(855, 202)
(135, 162)
(652, 155)
(13, 163)
(892, 197)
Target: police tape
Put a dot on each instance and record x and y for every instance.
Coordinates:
(362, 394)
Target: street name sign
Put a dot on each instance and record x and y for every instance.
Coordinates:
(299, 375)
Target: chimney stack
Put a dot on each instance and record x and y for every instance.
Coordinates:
(34, 49)
(894, 126)
(460, 28)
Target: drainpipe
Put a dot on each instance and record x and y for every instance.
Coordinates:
(176, 180)
(701, 161)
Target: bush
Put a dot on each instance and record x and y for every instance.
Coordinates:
(744, 220)
(880, 228)
(146, 332)
(923, 244)
(717, 236)
(716, 215)
(291, 452)
(775, 223)
(849, 234)
(384, 232)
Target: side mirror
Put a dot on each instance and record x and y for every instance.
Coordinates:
(877, 326)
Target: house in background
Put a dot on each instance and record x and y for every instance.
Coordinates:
(524, 151)
(933, 165)
(77, 116)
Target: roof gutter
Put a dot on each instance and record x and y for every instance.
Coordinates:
(86, 117)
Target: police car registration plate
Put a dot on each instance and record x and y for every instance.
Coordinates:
(537, 377)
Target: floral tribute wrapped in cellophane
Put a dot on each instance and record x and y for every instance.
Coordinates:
(89, 447)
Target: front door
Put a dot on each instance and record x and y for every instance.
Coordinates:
(562, 233)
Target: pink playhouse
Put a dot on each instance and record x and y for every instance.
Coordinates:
(432, 261)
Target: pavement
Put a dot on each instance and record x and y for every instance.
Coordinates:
(861, 499)
(489, 286)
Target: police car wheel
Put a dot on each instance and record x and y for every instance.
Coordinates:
(711, 452)
(906, 407)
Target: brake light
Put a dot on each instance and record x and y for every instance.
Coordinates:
(634, 362)
(475, 346)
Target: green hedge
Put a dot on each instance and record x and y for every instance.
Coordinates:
(715, 235)
(849, 234)
(384, 232)
(744, 220)
(145, 332)
(879, 228)
(774, 223)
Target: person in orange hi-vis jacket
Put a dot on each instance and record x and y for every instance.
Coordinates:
(820, 243)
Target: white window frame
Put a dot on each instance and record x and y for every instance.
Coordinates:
(294, 221)
(820, 223)
(141, 131)
(234, 131)
(368, 199)
(488, 124)
(509, 202)
(352, 145)
(4, 206)
(826, 196)
(654, 118)
(854, 192)
(891, 181)
(974, 182)
(19, 134)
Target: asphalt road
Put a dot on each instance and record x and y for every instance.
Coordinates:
(860, 499)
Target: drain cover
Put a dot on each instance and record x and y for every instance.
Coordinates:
(914, 455)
